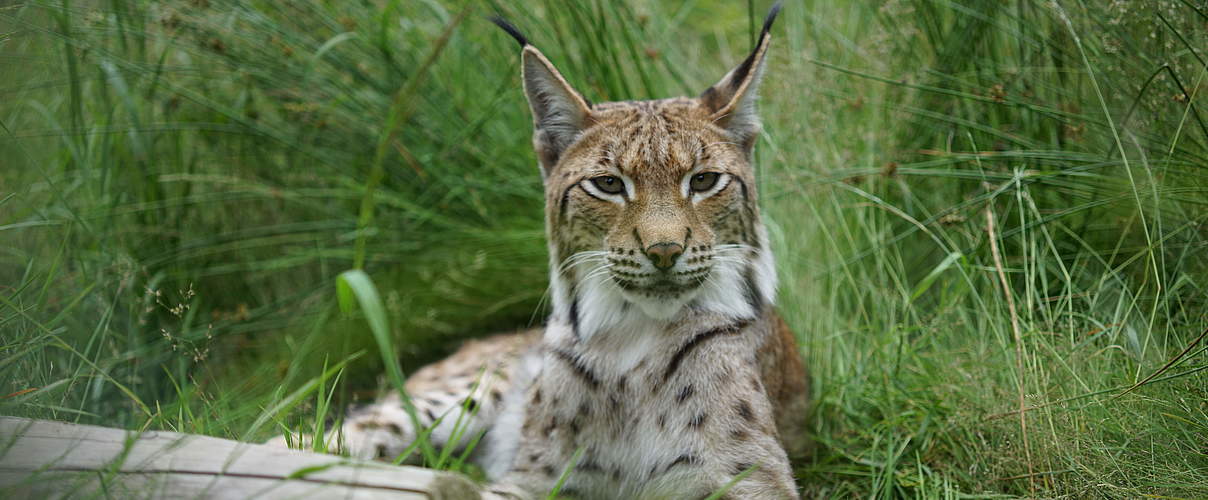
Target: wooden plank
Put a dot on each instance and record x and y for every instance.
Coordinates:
(40, 458)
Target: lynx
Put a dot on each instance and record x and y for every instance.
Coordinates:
(664, 370)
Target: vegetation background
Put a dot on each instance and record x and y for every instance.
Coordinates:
(977, 206)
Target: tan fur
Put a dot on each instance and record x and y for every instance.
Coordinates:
(664, 370)
(787, 385)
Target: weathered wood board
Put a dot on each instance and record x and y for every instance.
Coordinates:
(46, 459)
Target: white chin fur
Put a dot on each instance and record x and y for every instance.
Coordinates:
(602, 305)
(660, 308)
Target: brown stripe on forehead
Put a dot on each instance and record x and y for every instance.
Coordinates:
(620, 119)
(645, 144)
(656, 141)
(642, 134)
(634, 135)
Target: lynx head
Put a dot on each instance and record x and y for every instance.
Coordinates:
(651, 205)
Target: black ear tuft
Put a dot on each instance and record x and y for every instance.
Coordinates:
(767, 21)
(732, 100)
(515, 32)
(741, 72)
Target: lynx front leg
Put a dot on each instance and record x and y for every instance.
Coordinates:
(384, 430)
(460, 396)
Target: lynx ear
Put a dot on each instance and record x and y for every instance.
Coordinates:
(732, 100)
(559, 112)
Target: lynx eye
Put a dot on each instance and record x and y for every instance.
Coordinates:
(609, 184)
(703, 181)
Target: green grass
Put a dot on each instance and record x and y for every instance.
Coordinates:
(183, 183)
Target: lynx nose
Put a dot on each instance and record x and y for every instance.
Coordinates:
(663, 255)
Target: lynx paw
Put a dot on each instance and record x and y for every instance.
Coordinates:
(377, 433)
(382, 432)
(384, 443)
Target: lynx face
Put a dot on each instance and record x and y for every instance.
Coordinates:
(661, 198)
(651, 205)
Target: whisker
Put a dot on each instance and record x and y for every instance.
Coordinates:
(732, 246)
(730, 259)
(597, 271)
(580, 257)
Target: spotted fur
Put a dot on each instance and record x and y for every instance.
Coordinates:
(663, 367)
